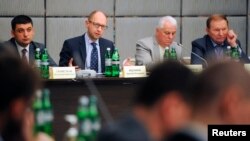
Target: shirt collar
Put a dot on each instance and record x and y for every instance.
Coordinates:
(20, 48)
(214, 44)
(89, 41)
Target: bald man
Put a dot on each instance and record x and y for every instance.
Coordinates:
(88, 50)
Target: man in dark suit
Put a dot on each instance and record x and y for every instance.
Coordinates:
(23, 33)
(88, 51)
(212, 46)
(160, 106)
(219, 96)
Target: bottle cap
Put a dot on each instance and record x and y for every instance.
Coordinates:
(39, 93)
(84, 100)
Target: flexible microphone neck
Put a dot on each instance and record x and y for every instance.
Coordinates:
(195, 54)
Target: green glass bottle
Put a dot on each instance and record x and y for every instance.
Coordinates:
(115, 63)
(94, 117)
(48, 112)
(38, 112)
(235, 54)
(166, 54)
(38, 58)
(173, 55)
(45, 64)
(108, 66)
(84, 127)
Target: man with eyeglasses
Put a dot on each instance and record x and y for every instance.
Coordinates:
(88, 50)
(150, 50)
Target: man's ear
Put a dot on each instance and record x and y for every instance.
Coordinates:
(170, 105)
(207, 30)
(18, 108)
(12, 33)
(174, 111)
(86, 23)
(229, 103)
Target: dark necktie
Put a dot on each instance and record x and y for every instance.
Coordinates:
(94, 58)
(24, 57)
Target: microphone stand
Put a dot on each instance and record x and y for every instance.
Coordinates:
(191, 52)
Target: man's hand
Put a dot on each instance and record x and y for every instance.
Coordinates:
(129, 62)
(43, 137)
(231, 38)
(70, 64)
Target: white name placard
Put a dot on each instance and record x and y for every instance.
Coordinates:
(195, 68)
(247, 67)
(62, 73)
(134, 71)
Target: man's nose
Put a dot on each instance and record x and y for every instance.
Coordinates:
(220, 32)
(171, 36)
(26, 33)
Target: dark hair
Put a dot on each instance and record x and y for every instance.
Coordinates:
(215, 79)
(20, 19)
(164, 78)
(18, 79)
(216, 17)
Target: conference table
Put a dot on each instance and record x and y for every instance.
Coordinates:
(114, 94)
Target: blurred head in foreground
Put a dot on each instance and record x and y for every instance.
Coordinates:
(163, 100)
(222, 94)
(18, 84)
(160, 106)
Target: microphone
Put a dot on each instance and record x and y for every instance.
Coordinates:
(195, 54)
(103, 107)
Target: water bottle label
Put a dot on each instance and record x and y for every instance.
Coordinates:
(40, 118)
(96, 126)
(38, 63)
(45, 63)
(115, 62)
(86, 127)
(48, 115)
(107, 62)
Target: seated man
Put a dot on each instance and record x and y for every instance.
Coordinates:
(88, 51)
(150, 50)
(23, 33)
(213, 45)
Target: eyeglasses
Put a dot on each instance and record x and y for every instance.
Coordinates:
(97, 25)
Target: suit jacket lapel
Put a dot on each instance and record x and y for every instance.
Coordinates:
(82, 47)
(209, 46)
(32, 49)
(102, 51)
(155, 51)
(14, 46)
